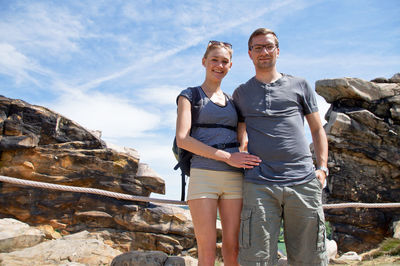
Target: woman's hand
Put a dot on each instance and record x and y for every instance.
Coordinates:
(243, 160)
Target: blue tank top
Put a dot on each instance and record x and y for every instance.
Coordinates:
(212, 113)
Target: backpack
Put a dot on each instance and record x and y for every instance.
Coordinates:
(183, 156)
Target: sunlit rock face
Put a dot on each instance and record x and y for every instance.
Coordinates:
(363, 132)
(40, 145)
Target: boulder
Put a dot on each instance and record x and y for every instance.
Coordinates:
(82, 248)
(380, 80)
(331, 249)
(395, 78)
(78, 249)
(363, 133)
(181, 261)
(138, 258)
(149, 178)
(334, 90)
(351, 255)
(151, 258)
(396, 228)
(49, 231)
(15, 235)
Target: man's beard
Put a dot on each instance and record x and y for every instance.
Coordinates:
(265, 65)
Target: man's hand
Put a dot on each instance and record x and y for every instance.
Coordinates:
(321, 175)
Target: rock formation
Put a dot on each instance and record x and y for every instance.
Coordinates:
(363, 132)
(37, 144)
(138, 258)
(21, 244)
(41, 145)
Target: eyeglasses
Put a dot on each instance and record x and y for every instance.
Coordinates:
(227, 44)
(259, 47)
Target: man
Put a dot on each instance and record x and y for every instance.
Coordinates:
(286, 185)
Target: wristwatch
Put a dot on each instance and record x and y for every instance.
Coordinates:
(325, 169)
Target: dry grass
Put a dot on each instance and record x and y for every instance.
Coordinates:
(388, 253)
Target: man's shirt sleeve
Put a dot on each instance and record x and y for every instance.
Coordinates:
(309, 103)
(236, 101)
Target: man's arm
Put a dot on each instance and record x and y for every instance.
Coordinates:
(320, 143)
(242, 136)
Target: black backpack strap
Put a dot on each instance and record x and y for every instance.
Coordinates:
(183, 179)
(196, 105)
(186, 155)
(223, 146)
(214, 126)
(198, 102)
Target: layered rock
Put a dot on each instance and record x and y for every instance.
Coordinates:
(16, 235)
(134, 258)
(40, 145)
(77, 249)
(363, 132)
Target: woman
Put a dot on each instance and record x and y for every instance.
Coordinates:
(216, 174)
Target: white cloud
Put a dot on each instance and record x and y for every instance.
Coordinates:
(200, 28)
(15, 64)
(160, 101)
(59, 31)
(163, 95)
(42, 27)
(143, 11)
(115, 116)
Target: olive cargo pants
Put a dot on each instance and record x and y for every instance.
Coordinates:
(300, 207)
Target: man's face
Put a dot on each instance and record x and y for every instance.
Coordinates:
(264, 52)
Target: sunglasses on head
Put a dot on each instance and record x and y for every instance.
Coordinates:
(227, 44)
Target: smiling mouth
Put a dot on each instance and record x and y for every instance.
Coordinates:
(218, 71)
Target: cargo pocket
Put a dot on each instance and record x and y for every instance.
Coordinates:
(244, 237)
(321, 231)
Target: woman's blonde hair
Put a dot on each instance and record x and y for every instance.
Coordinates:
(216, 44)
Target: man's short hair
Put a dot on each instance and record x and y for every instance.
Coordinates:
(263, 31)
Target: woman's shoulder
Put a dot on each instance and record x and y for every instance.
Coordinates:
(188, 93)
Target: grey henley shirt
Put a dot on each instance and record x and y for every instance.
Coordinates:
(274, 117)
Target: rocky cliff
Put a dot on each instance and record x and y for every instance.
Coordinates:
(363, 132)
(41, 145)
(37, 144)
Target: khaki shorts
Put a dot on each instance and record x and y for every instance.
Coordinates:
(209, 184)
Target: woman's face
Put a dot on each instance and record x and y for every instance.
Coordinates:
(217, 64)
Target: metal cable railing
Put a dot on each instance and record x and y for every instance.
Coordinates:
(117, 195)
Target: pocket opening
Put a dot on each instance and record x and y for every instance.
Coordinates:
(244, 237)
(321, 237)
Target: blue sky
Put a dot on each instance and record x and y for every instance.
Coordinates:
(117, 66)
